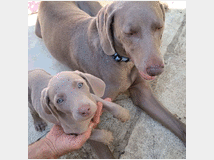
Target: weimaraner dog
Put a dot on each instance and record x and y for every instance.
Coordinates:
(120, 45)
(65, 99)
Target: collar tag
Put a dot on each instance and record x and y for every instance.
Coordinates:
(119, 58)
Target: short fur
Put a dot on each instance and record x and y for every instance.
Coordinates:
(85, 43)
(65, 99)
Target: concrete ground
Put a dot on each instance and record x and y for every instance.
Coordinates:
(141, 137)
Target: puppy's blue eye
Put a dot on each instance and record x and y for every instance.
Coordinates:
(60, 100)
(80, 85)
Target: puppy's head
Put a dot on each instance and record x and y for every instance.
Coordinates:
(69, 100)
(134, 30)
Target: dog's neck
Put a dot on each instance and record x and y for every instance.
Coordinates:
(119, 58)
(120, 53)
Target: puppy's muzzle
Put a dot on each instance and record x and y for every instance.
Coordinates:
(84, 110)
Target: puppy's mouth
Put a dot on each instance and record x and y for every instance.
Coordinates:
(90, 116)
(146, 76)
(74, 134)
(86, 117)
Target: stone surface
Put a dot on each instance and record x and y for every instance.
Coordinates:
(141, 137)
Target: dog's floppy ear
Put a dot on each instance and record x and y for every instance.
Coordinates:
(97, 85)
(104, 20)
(164, 7)
(45, 101)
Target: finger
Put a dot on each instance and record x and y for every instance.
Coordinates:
(76, 142)
(99, 108)
(90, 127)
(95, 123)
(96, 118)
(87, 134)
(82, 138)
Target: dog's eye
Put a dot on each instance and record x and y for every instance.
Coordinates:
(159, 28)
(80, 85)
(59, 100)
(130, 33)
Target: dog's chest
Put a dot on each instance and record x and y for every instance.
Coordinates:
(120, 76)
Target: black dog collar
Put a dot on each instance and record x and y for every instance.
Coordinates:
(119, 58)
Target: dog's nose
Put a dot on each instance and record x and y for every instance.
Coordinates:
(84, 110)
(155, 70)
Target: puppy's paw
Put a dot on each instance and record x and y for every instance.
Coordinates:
(108, 137)
(123, 116)
(40, 125)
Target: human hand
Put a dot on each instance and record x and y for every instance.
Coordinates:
(96, 119)
(61, 143)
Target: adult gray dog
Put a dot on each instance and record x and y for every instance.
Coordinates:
(120, 45)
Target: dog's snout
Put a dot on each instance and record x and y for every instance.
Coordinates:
(155, 70)
(84, 110)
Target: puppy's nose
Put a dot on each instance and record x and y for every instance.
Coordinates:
(84, 110)
(155, 70)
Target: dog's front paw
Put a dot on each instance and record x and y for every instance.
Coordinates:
(40, 125)
(108, 137)
(123, 116)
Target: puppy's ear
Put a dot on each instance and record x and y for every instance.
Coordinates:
(45, 101)
(104, 20)
(97, 85)
(164, 7)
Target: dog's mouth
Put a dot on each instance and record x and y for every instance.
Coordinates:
(146, 76)
(90, 116)
(74, 134)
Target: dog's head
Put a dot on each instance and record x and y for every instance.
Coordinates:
(69, 100)
(134, 30)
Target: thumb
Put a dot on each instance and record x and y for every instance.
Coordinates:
(87, 134)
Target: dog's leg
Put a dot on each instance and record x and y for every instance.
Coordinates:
(143, 97)
(102, 150)
(116, 110)
(101, 135)
(90, 7)
(38, 29)
(39, 123)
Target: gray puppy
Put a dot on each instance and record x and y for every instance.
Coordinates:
(65, 99)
